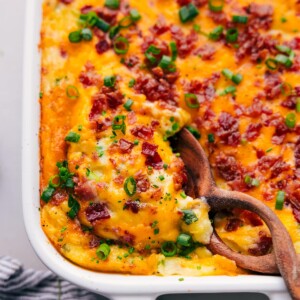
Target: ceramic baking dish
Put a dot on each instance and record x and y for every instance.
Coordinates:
(113, 286)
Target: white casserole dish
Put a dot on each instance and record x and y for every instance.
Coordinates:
(111, 285)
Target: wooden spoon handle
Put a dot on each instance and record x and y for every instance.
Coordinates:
(262, 264)
(286, 257)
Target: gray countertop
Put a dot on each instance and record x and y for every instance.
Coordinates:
(13, 239)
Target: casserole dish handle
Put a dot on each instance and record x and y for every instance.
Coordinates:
(134, 297)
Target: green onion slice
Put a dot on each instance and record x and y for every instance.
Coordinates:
(75, 36)
(128, 104)
(189, 215)
(121, 45)
(47, 194)
(110, 81)
(86, 34)
(52, 179)
(271, 64)
(298, 105)
(130, 186)
(284, 60)
(168, 249)
(165, 62)
(191, 100)
(280, 200)
(216, 33)
(114, 31)
(240, 19)
(211, 138)
(126, 22)
(188, 13)
(284, 49)
(237, 78)
(174, 50)
(286, 89)
(184, 240)
(113, 4)
(72, 137)
(72, 92)
(290, 120)
(102, 25)
(119, 123)
(195, 132)
(131, 83)
(227, 73)
(74, 207)
(103, 251)
(134, 14)
(232, 35)
(152, 50)
(216, 5)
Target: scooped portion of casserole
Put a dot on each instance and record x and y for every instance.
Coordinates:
(119, 79)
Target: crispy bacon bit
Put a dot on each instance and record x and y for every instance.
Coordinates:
(103, 125)
(86, 9)
(134, 206)
(154, 161)
(185, 43)
(66, 1)
(128, 238)
(296, 213)
(97, 211)
(252, 218)
(94, 242)
(142, 182)
(279, 167)
(108, 15)
(160, 26)
(273, 85)
(131, 61)
(149, 149)
(180, 177)
(228, 129)
(156, 89)
(280, 133)
(183, 2)
(119, 179)
(85, 190)
(263, 246)
(261, 10)
(253, 131)
(114, 99)
(125, 146)
(102, 46)
(227, 167)
(289, 102)
(142, 132)
(206, 52)
(89, 77)
(266, 162)
(59, 197)
(297, 154)
(293, 193)
(99, 105)
(233, 224)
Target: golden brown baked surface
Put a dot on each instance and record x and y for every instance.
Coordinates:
(119, 78)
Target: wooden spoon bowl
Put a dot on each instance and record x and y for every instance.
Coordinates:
(283, 259)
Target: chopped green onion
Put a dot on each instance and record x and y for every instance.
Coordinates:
(121, 45)
(74, 207)
(290, 120)
(168, 249)
(195, 132)
(110, 81)
(197, 28)
(183, 195)
(103, 251)
(72, 92)
(102, 25)
(72, 137)
(117, 125)
(229, 90)
(284, 60)
(130, 186)
(188, 12)
(280, 200)
(86, 34)
(174, 50)
(154, 50)
(75, 36)
(191, 100)
(52, 184)
(114, 31)
(47, 193)
(237, 78)
(211, 138)
(89, 19)
(269, 150)
(216, 33)
(161, 177)
(255, 182)
(156, 231)
(134, 14)
(283, 20)
(232, 35)
(286, 89)
(128, 104)
(227, 73)
(247, 179)
(271, 64)
(126, 22)
(165, 62)
(240, 19)
(298, 105)
(113, 4)
(284, 49)
(189, 216)
(184, 240)
(216, 5)
(131, 83)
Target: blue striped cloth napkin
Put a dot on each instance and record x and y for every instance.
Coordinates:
(18, 283)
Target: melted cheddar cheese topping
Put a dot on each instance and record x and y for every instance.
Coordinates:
(119, 79)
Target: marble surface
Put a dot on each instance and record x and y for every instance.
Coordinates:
(13, 239)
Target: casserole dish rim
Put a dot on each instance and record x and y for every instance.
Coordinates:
(115, 286)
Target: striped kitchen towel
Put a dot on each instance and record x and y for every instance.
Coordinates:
(17, 283)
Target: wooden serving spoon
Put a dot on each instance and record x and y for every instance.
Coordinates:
(283, 259)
